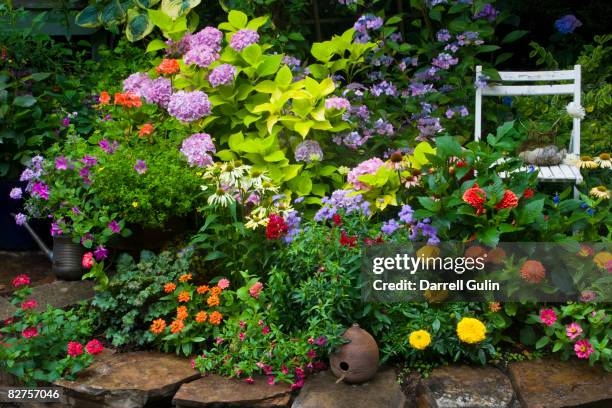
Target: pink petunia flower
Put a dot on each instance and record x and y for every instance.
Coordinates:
(548, 316)
(583, 349)
(28, 304)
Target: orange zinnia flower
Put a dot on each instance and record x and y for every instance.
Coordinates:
(177, 326)
(104, 98)
(181, 313)
(215, 290)
(215, 318)
(201, 316)
(169, 287)
(146, 130)
(184, 296)
(185, 278)
(202, 289)
(168, 66)
(158, 326)
(213, 300)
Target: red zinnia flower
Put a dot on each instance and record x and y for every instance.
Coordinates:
(75, 348)
(276, 228)
(94, 347)
(345, 240)
(20, 280)
(509, 200)
(476, 197)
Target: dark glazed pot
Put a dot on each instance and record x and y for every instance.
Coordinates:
(356, 361)
(67, 259)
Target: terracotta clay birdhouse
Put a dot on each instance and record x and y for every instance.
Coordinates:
(357, 360)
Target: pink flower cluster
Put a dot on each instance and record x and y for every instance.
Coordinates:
(370, 166)
(243, 38)
(337, 103)
(222, 75)
(196, 148)
(92, 347)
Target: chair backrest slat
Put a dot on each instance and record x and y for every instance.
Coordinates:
(537, 75)
(503, 90)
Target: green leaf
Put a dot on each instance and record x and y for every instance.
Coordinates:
(447, 146)
(269, 65)
(24, 101)
(275, 157)
(177, 8)
(514, 35)
(321, 51)
(489, 236)
(318, 71)
(113, 14)
(238, 19)
(487, 48)
(89, 17)
(147, 3)
(39, 76)
(301, 184)
(252, 54)
(155, 45)
(530, 212)
(558, 346)
(542, 342)
(284, 77)
(255, 23)
(138, 26)
(393, 20)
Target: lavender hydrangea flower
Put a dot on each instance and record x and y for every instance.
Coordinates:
(308, 151)
(136, 82)
(27, 175)
(384, 88)
(209, 37)
(20, 219)
(336, 102)
(222, 75)
(444, 61)
(389, 227)
(429, 127)
(189, 106)
(243, 38)
(200, 56)
(443, 35)
(351, 140)
(567, 24)
(196, 148)
(481, 81)
(157, 91)
(488, 11)
(370, 166)
(140, 166)
(292, 62)
(16, 193)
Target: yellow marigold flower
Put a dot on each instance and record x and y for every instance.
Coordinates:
(158, 326)
(470, 330)
(602, 259)
(419, 339)
(215, 290)
(185, 278)
(177, 326)
(215, 318)
(184, 296)
(169, 287)
(213, 300)
(202, 289)
(201, 316)
(181, 312)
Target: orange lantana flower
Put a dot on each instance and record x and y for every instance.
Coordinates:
(181, 313)
(104, 98)
(184, 296)
(158, 326)
(215, 290)
(213, 300)
(177, 326)
(202, 289)
(215, 318)
(169, 287)
(201, 316)
(185, 278)
(168, 66)
(146, 130)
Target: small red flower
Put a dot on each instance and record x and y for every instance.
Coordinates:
(29, 332)
(509, 200)
(337, 220)
(369, 241)
(104, 98)
(476, 197)
(533, 271)
(146, 130)
(345, 240)
(256, 289)
(20, 280)
(94, 347)
(276, 228)
(528, 193)
(88, 261)
(75, 348)
(28, 304)
(168, 66)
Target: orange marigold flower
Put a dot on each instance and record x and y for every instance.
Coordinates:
(476, 197)
(177, 326)
(181, 313)
(184, 296)
(146, 130)
(533, 271)
(168, 66)
(158, 326)
(169, 287)
(184, 278)
(201, 316)
(215, 318)
(509, 200)
(215, 290)
(202, 289)
(104, 98)
(213, 300)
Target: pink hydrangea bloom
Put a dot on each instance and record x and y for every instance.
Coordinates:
(370, 166)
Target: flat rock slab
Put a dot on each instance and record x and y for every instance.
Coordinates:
(128, 380)
(33, 263)
(321, 390)
(219, 392)
(556, 384)
(467, 387)
(59, 294)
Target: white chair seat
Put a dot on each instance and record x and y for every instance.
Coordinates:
(559, 173)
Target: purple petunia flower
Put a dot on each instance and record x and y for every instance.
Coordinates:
(16, 193)
(114, 226)
(140, 166)
(243, 38)
(308, 151)
(222, 75)
(89, 160)
(107, 146)
(41, 190)
(567, 24)
(61, 163)
(56, 230)
(100, 253)
(196, 148)
(189, 106)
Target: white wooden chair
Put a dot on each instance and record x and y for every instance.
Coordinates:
(562, 172)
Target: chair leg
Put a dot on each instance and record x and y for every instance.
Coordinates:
(576, 192)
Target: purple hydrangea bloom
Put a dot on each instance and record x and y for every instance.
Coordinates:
(370, 166)
(443, 35)
(61, 163)
(196, 148)
(444, 61)
(384, 88)
(291, 61)
(209, 37)
(348, 200)
(20, 219)
(136, 82)
(114, 226)
(481, 81)
(140, 166)
(429, 127)
(189, 106)
(100, 253)
(158, 91)
(41, 190)
(108, 147)
(351, 140)
(389, 227)
(406, 214)
(243, 38)
(418, 89)
(337, 103)
(222, 75)
(368, 22)
(16, 193)
(201, 56)
(488, 11)
(567, 24)
(308, 151)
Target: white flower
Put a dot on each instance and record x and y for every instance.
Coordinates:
(575, 111)
(220, 197)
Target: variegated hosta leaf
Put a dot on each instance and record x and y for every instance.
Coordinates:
(138, 25)
(177, 8)
(89, 17)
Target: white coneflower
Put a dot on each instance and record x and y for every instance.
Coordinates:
(586, 162)
(257, 178)
(600, 192)
(231, 172)
(220, 197)
(604, 160)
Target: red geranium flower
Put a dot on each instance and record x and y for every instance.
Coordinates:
(146, 130)
(276, 228)
(509, 200)
(476, 197)
(168, 66)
